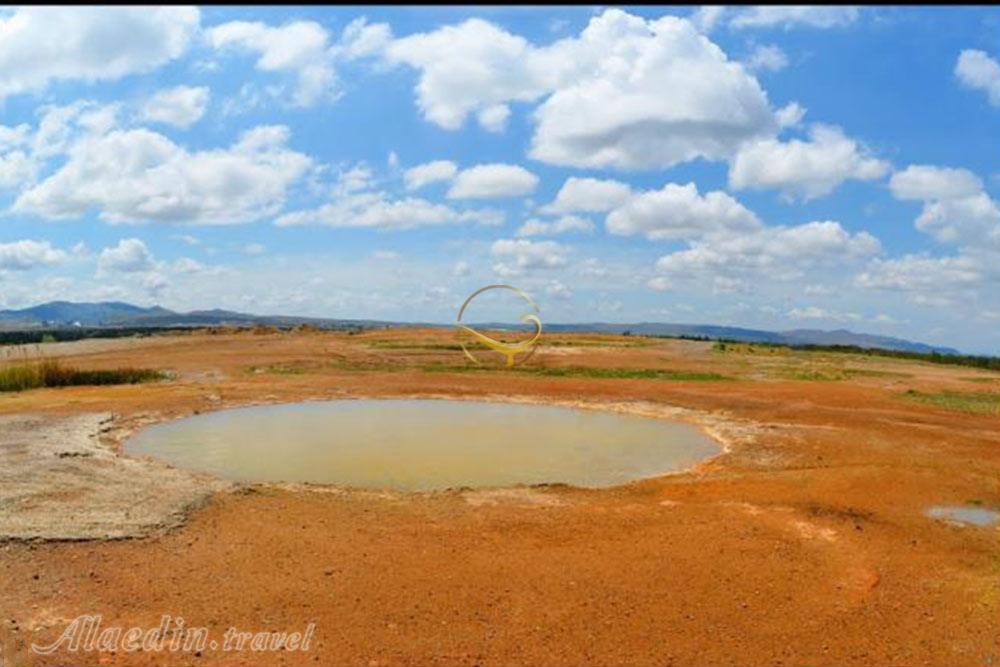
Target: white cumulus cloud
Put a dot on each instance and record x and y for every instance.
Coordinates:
(956, 207)
(788, 16)
(429, 172)
(679, 212)
(28, 254)
(611, 111)
(977, 70)
(181, 106)
(561, 225)
(970, 277)
(516, 257)
(589, 194)
(767, 57)
(132, 176)
(129, 256)
(379, 210)
(817, 313)
(605, 105)
(772, 253)
(488, 181)
(299, 48)
(42, 45)
(806, 169)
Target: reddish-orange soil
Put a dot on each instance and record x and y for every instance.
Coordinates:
(805, 544)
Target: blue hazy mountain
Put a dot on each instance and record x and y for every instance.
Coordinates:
(65, 314)
(68, 313)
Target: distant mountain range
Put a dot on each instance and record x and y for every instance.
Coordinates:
(110, 314)
(66, 314)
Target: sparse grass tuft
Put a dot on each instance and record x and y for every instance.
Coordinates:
(49, 373)
(403, 345)
(983, 380)
(585, 371)
(622, 373)
(827, 374)
(982, 402)
(277, 369)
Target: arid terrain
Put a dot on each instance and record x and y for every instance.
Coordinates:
(806, 542)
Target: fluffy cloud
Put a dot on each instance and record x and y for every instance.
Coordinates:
(58, 126)
(767, 57)
(298, 48)
(706, 17)
(566, 223)
(362, 39)
(977, 70)
(42, 45)
(137, 175)
(494, 118)
(967, 221)
(766, 16)
(378, 210)
(16, 167)
(15, 164)
(610, 110)
(956, 208)
(28, 254)
(183, 266)
(776, 253)
(467, 68)
(516, 257)
(589, 194)
(182, 106)
(487, 181)
(14, 136)
(605, 104)
(129, 256)
(557, 290)
(806, 169)
(927, 182)
(429, 172)
(679, 212)
(817, 313)
(970, 278)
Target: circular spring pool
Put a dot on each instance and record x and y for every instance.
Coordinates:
(425, 444)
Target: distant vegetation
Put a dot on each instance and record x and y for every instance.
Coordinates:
(403, 345)
(49, 373)
(36, 336)
(990, 363)
(622, 373)
(976, 401)
(587, 371)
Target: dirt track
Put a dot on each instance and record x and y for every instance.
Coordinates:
(805, 544)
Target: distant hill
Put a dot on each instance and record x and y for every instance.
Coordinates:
(795, 337)
(110, 314)
(67, 313)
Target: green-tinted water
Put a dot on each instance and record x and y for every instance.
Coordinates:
(425, 444)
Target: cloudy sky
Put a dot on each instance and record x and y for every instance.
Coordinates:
(762, 167)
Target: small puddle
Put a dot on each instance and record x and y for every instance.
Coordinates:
(417, 445)
(977, 516)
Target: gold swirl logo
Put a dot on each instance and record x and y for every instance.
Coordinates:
(509, 350)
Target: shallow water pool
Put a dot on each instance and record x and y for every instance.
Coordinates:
(977, 516)
(425, 444)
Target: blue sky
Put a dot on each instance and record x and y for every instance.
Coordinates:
(771, 167)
